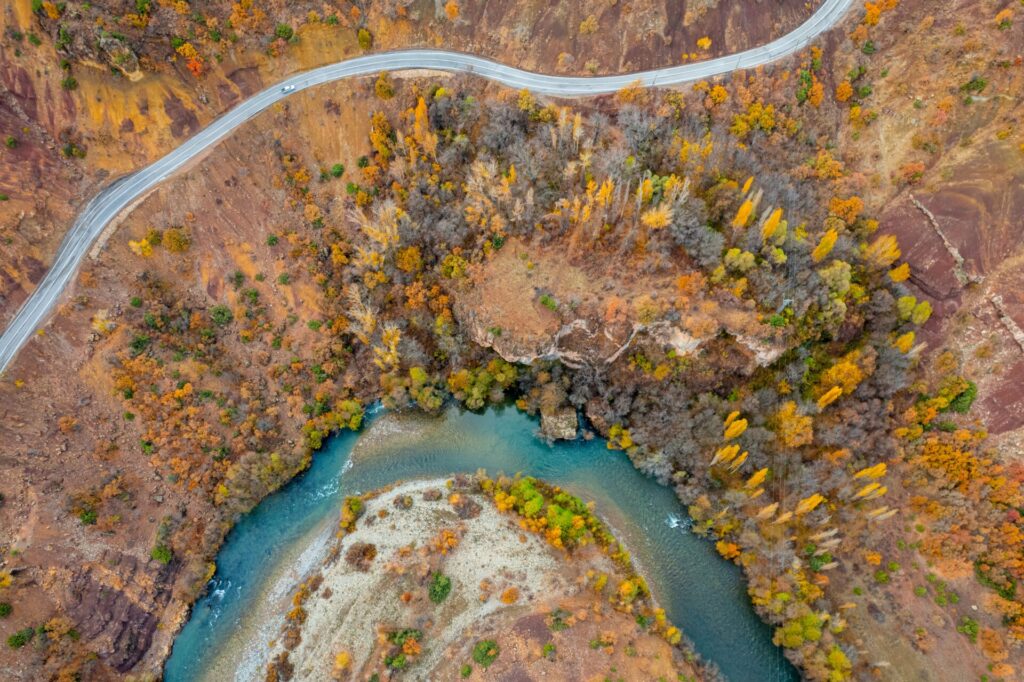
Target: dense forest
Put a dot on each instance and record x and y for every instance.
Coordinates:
(769, 382)
(697, 275)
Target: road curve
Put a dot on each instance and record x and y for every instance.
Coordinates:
(114, 198)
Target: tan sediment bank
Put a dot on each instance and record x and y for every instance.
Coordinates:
(432, 569)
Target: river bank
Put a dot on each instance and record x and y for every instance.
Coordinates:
(431, 568)
(701, 593)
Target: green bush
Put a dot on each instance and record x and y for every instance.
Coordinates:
(818, 562)
(556, 620)
(466, 670)
(139, 343)
(795, 632)
(969, 627)
(486, 652)
(221, 315)
(975, 85)
(20, 638)
(399, 637)
(284, 31)
(337, 170)
(962, 403)
(5, 609)
(162, 553)
(440, 587)
(63, 38)
(72, 151)
(365, 39)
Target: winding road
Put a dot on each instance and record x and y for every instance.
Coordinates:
(124, 191)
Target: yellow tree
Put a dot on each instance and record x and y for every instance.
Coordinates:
(905, 342)
(658, 217)
(900, 273)
(884, 251)
(380, 135)
(421, 131)
(824, 247)
(734, 427)
(794, 428)
(829, 397)
(808, 504)
(743, 214)
(770, 225)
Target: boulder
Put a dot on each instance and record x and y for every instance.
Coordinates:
(559, 424)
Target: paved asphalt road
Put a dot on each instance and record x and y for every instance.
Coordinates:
(113, 199)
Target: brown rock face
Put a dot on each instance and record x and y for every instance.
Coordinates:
(184, 121)
(1003, 405)
(961, 237)
(976, 225)
(110, 613)
(560, 424)
(931, 265)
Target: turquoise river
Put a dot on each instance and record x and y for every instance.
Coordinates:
(701, 592)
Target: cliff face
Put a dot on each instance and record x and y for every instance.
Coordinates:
(530, 303)
(965, 253)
